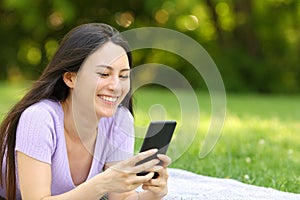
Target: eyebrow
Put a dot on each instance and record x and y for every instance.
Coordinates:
(111, 68)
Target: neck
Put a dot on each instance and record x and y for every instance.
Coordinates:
(77, 127)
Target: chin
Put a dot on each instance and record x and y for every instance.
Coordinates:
(106, 112)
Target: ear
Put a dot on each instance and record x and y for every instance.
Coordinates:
(69, 79)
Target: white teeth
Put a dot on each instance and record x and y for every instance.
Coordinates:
(111, 99)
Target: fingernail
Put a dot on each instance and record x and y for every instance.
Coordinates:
(154, 150)
(160, 155)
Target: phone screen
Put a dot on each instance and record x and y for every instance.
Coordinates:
(158, 136)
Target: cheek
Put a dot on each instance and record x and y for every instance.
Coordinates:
(86, 89)
(101, 84)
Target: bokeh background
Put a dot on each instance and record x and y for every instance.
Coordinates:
(255, 43)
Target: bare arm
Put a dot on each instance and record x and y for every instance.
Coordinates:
(35, 180)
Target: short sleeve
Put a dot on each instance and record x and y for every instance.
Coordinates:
(122, 138)
(35, 135)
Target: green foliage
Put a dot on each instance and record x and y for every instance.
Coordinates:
(254, 43)
(10, 94)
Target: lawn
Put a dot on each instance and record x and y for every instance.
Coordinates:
(259, 144)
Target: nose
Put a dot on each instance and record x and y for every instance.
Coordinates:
(113, 83)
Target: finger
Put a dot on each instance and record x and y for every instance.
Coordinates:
(163, 176)
(166, 159)
(159, 172)
(144, 179)
(143, 155)
(138, 180)
(156, 168)
(139, 157)
(158, 182)
(145, 166)
(160, 191)
(120, 168)
(151, 188)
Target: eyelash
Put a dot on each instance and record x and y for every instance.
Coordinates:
(105, 75)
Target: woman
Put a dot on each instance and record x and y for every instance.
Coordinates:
(71, 135)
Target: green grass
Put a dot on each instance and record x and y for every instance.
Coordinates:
(260, 141)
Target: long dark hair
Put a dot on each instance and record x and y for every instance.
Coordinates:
(75, 47)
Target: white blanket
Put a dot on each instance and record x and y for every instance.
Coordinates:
(184, 185)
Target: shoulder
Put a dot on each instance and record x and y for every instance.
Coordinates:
(45, 114)
(43, 109)
(44, 105)
(39, 128)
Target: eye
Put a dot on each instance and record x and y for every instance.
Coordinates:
(124, 76)
(103, 75)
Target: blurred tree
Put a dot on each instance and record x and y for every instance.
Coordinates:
(256, 44)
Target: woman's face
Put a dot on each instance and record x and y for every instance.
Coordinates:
(103, 80)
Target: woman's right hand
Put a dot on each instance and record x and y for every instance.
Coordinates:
(121, 177)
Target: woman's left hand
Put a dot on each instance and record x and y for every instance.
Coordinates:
(159, 186)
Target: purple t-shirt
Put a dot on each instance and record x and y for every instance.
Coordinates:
(40, 135)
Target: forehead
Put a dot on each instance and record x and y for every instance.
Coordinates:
(108, 54)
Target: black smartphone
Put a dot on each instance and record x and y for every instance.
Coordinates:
(159, 135)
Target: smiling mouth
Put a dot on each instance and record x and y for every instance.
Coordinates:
(108, 98)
